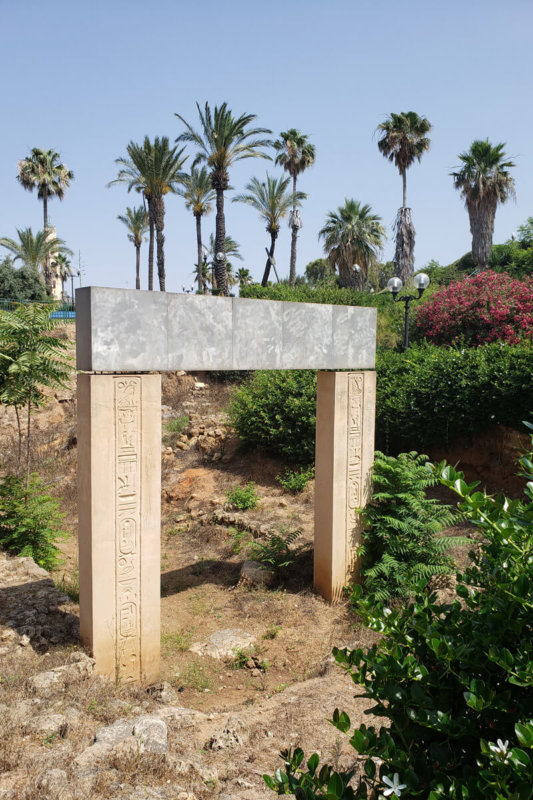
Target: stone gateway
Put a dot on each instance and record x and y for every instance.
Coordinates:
(123, 337)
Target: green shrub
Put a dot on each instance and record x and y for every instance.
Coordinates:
(427, 396)
(433, 395)
(295, 480)
(243, 497)
(277, 553)
(400, 545)
(30, 520)
(453, 680)
(276, 410)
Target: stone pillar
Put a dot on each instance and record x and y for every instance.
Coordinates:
(345, 423)
(119, 478)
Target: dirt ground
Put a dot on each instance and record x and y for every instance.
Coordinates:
(283, 686)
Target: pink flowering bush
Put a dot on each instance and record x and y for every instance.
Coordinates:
(486, 308)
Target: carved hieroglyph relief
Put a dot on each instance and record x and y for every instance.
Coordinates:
(354, 478)
(127, 527)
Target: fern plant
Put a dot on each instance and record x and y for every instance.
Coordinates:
(400, 543)
(276, 553)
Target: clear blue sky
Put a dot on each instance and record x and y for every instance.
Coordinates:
(85, 79)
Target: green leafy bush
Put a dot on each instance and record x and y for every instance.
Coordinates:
(453, 680)
(30, 520)
(400, 545)
(426, 396)
(295, 480)
(243, 497)
(276, 410)
(276, 553)
(433, 395)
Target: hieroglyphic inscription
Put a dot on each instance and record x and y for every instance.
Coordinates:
(127, 526)
(354, 478)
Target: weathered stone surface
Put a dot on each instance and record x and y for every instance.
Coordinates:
(54, 784)
(235, 733)
(49, 724)
(222, 644)
(45, 683)
(148, 730)
(120, 330)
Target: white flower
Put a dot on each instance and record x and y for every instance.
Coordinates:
(395, 785)
(500, 749)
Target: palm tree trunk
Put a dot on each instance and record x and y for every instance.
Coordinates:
(273, 237)
(19, 430)
(404, 184)
(47, 270)
(200, 253)
(294, 236)
(159, 218)
(482, 230)
(220, 239)
(137, 266)
(150, 248)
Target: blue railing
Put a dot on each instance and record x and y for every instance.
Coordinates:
(65, 310)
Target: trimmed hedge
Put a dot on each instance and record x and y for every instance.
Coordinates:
(427, 396)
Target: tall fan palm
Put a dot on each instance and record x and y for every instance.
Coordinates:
(295, 154)
(353, 238)
(136, 221)
(32, 250)
(222, 141)
(63, 269)
(198, 193)
(273, 202)
(484, 181)
(403, 141)
(243, 276)
(154, 169)
(43, 170)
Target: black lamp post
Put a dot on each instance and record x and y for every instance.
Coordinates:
(421, 283)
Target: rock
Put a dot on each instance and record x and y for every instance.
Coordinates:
(92, 757)
(163, 693)
(151, 733)
(54, 784)
(50, 724)
(80, 668)
(254, 574)
(222, 644)
(234, 734)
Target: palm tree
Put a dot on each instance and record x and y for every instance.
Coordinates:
(222, 141)
(136, 221)
(63, 270)
(403, 140)
(43, 170)
(243, 277)
(273, 203)
(34, 251)
(295, 154)
(198, 193)
(154, 170)
(484, 181)
(353, 238)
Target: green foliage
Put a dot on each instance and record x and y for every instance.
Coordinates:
(295, 480)
(243, 498)
(453, 680)
(30, 520)
(277, 553)
(173, 429)
(429, 395)
(320, 273)
(434, 395)
(400, 545)
(20, 284)
(31, 358)
(276, 410)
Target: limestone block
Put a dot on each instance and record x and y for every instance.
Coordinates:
(119, 476)
(343, 474)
